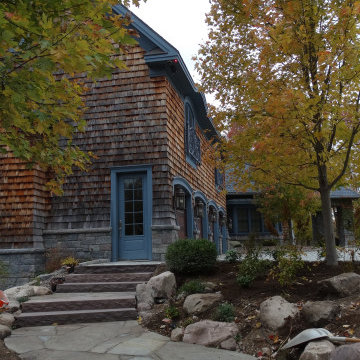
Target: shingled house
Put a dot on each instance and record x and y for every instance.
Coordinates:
(149, 185)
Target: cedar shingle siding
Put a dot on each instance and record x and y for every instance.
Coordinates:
(134, 118)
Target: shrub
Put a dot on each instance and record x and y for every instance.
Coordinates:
(251, 268)
(245, 281)
(171, 312)
(70, 261)
(232, 256)
(224, 312)
(289, 263)
(192, 287)
(54, 257)
(189, 256)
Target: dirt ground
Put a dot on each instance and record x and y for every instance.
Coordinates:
(254, 338)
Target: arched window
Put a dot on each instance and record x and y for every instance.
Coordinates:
(192, 141)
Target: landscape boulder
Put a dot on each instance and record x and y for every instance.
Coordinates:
(13, 306)
(18, 292)
(162, 286)
(346, 352)
(158, 289)
(212, 333)
(210, 286)
(4, 331)
(7, 319)
(319, 313)
(177, 334)
(318, 350)
(276, 313)
(341, 285)
(41, 290)
(144, 298)
(198, 303)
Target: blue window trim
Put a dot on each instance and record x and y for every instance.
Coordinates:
(205, 221)
(192, 157)
(216, 224)
(179, 181)
(234, 216)
(114, 209)
(222, 230)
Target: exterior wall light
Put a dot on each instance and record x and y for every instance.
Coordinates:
(199, 208)
(179, 199)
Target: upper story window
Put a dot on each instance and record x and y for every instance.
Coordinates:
(192, 141)
(219, 179)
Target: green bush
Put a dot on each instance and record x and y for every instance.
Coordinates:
(245, 281)
(224, 312)
(289, 263)
(171, 312)
(190, 256)
(192, 287)
(232, 256)
(251, 268)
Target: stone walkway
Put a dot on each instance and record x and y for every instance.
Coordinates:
(121, 340)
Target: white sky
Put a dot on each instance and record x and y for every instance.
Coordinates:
(180, 22)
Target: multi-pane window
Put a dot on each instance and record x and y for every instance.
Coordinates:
(247, 220)
(134, 218)
(192, 141)
(242, 220)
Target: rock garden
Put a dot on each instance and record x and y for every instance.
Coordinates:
(253, 305)
(245, 303)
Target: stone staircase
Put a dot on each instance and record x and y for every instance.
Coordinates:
(93, 293)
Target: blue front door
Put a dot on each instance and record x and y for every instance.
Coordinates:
(133, 218)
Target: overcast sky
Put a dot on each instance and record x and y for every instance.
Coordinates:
(180, 22)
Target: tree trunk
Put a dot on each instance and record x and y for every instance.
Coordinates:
(331, 255)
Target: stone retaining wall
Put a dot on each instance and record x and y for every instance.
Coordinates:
(85, 244)
(22, 265)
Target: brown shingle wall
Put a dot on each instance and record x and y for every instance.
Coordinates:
(126, 125)
(23, 202)
(202, 178)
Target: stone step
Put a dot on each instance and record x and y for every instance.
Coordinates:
(97, 286)
(75, 316)
(121, 267)
(117, 277)
(79, 301)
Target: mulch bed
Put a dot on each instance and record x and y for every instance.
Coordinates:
(247, 302)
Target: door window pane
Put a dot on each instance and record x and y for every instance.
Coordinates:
(138, 229)
(133, 206)
(129, 206)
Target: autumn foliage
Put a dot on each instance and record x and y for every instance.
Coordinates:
(43, 44)
(286, 76)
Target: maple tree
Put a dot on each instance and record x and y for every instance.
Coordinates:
(288, 204)
(44, 43)
(286, 75)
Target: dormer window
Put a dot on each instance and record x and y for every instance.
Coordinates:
(192, 141)
(219, 179)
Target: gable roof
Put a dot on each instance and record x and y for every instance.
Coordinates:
(164, 59)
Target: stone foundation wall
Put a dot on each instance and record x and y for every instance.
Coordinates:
(21, 265)
(162, 237)
(84, 244)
